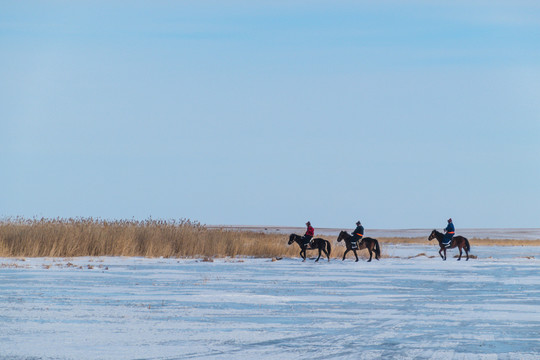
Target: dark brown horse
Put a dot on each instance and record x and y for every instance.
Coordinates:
(457, 241)
(316, 244)
(367, 243)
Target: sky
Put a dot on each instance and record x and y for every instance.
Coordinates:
(398, 114)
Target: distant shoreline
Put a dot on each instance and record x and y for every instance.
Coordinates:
(495, 234)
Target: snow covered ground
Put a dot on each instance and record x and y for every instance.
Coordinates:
(396, 308)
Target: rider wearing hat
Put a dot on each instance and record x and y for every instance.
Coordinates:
(309, 234)
(449, 232)
(358, 233)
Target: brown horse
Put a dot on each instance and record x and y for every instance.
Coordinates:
(316, 244)
(457, 241)
(367, 243)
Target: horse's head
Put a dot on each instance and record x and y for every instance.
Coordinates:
(291, 239)
(342, 235)
(433, 235)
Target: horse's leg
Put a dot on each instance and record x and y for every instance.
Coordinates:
(466, 253)
(445, 254)
(319, 255)
(355, 254)
(303, 254)
(345, 254)
(326, 253)
(459, 258)
(440, 253)
(370, 254)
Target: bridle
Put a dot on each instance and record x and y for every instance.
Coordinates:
(292, 238)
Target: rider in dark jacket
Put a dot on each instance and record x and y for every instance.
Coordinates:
(309, 234)
(358, 233)
(449, 232)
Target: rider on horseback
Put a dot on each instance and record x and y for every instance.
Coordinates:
(449, 233)
(308, 235)
(357, 234)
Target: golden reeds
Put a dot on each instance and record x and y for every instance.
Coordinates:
(148, 238)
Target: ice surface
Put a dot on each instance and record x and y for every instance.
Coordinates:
(396, 308)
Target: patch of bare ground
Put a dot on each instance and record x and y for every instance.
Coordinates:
(471, 256)
(421, 255)
(13, 266)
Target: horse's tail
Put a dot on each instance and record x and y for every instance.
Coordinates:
(328, 248)
(377, 248)
(467, 245)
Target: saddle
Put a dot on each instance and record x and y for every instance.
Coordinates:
(308, 245)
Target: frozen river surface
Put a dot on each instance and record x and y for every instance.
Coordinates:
(396, 308)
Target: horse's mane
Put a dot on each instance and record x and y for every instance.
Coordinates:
(343, 235)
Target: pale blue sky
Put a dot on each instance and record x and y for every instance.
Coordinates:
(400, 114)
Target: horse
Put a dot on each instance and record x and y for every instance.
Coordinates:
(457, 241)
(367, 243)
(316, 244)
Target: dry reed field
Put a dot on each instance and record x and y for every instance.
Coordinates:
(148, 238)
(21, 237)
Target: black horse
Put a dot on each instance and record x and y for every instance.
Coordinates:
(316, 244)
(367, 243)
(457, 241)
